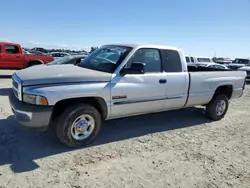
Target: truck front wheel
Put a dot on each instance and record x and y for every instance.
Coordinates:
(78, 125)
(217, 108)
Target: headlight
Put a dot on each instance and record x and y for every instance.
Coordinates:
(35, 99)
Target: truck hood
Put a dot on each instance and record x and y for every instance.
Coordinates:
(60, 74)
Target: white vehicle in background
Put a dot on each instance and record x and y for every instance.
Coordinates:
(209, 65)
(57, 55)
(189, 59)
(198, 59)
(239, 62)
(224, 62)
(247, 69)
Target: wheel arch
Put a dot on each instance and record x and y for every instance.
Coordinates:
(33, 62)
(225, 90)
(98, 102)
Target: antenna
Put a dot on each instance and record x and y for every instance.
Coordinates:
(215, 53)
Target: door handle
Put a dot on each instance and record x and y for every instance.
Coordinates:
(162, 81)
(17, 56)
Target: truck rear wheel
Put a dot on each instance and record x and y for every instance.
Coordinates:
(217, 108)
(78, 125)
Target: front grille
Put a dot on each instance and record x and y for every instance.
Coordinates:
(14, 83)
(15, 93)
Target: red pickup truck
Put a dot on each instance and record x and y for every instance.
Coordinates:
(12, 56)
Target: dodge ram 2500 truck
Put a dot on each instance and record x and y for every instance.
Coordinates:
(117, 81)
(12, 56)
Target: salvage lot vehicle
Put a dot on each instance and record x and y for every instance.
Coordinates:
(71, 59)
(238, 63)
(209, 65)
(247, 69)
(224, 62)
(12, 56)
(198, 59)
(39, 49)
(144, 79)
(57, 55)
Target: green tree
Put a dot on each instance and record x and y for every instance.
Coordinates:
(93, 49)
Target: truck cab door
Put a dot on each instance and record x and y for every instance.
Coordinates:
(12, 56)
(177, 79)
(133, 94)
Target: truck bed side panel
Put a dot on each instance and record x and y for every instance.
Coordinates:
(204, 84)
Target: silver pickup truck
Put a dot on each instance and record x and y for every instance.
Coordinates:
(117, 81)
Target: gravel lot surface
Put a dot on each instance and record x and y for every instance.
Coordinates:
(171, 149)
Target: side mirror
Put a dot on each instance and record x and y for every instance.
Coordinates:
(135, 68)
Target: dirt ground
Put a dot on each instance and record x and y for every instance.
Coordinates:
(171, 149)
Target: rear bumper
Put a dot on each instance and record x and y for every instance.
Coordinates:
(35, 117)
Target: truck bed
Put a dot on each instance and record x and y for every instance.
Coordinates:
(203, 83)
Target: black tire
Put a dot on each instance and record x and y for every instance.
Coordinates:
(65, 121)
(211, 107)
(32, 63)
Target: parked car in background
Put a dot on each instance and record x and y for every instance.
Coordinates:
(26, 52)
(71, 59)
(203, 59)
(247, 69)
(189, 59)
(143, 79)
(39, 49)
(197, 59)
(209, 65)
(224, 62)
(12, 56)
(59, 54)
(34, 52)
(238, 63)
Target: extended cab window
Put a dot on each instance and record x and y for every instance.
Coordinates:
(171, 61)
(151, 58)
(11, 49)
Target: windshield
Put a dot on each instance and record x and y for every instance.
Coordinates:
(106, 58)
(203, 60)
(61, 60)
(241, 61)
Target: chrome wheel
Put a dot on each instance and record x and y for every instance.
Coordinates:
(82, 127)
(220, 107)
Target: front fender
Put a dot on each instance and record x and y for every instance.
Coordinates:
(59, 92)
